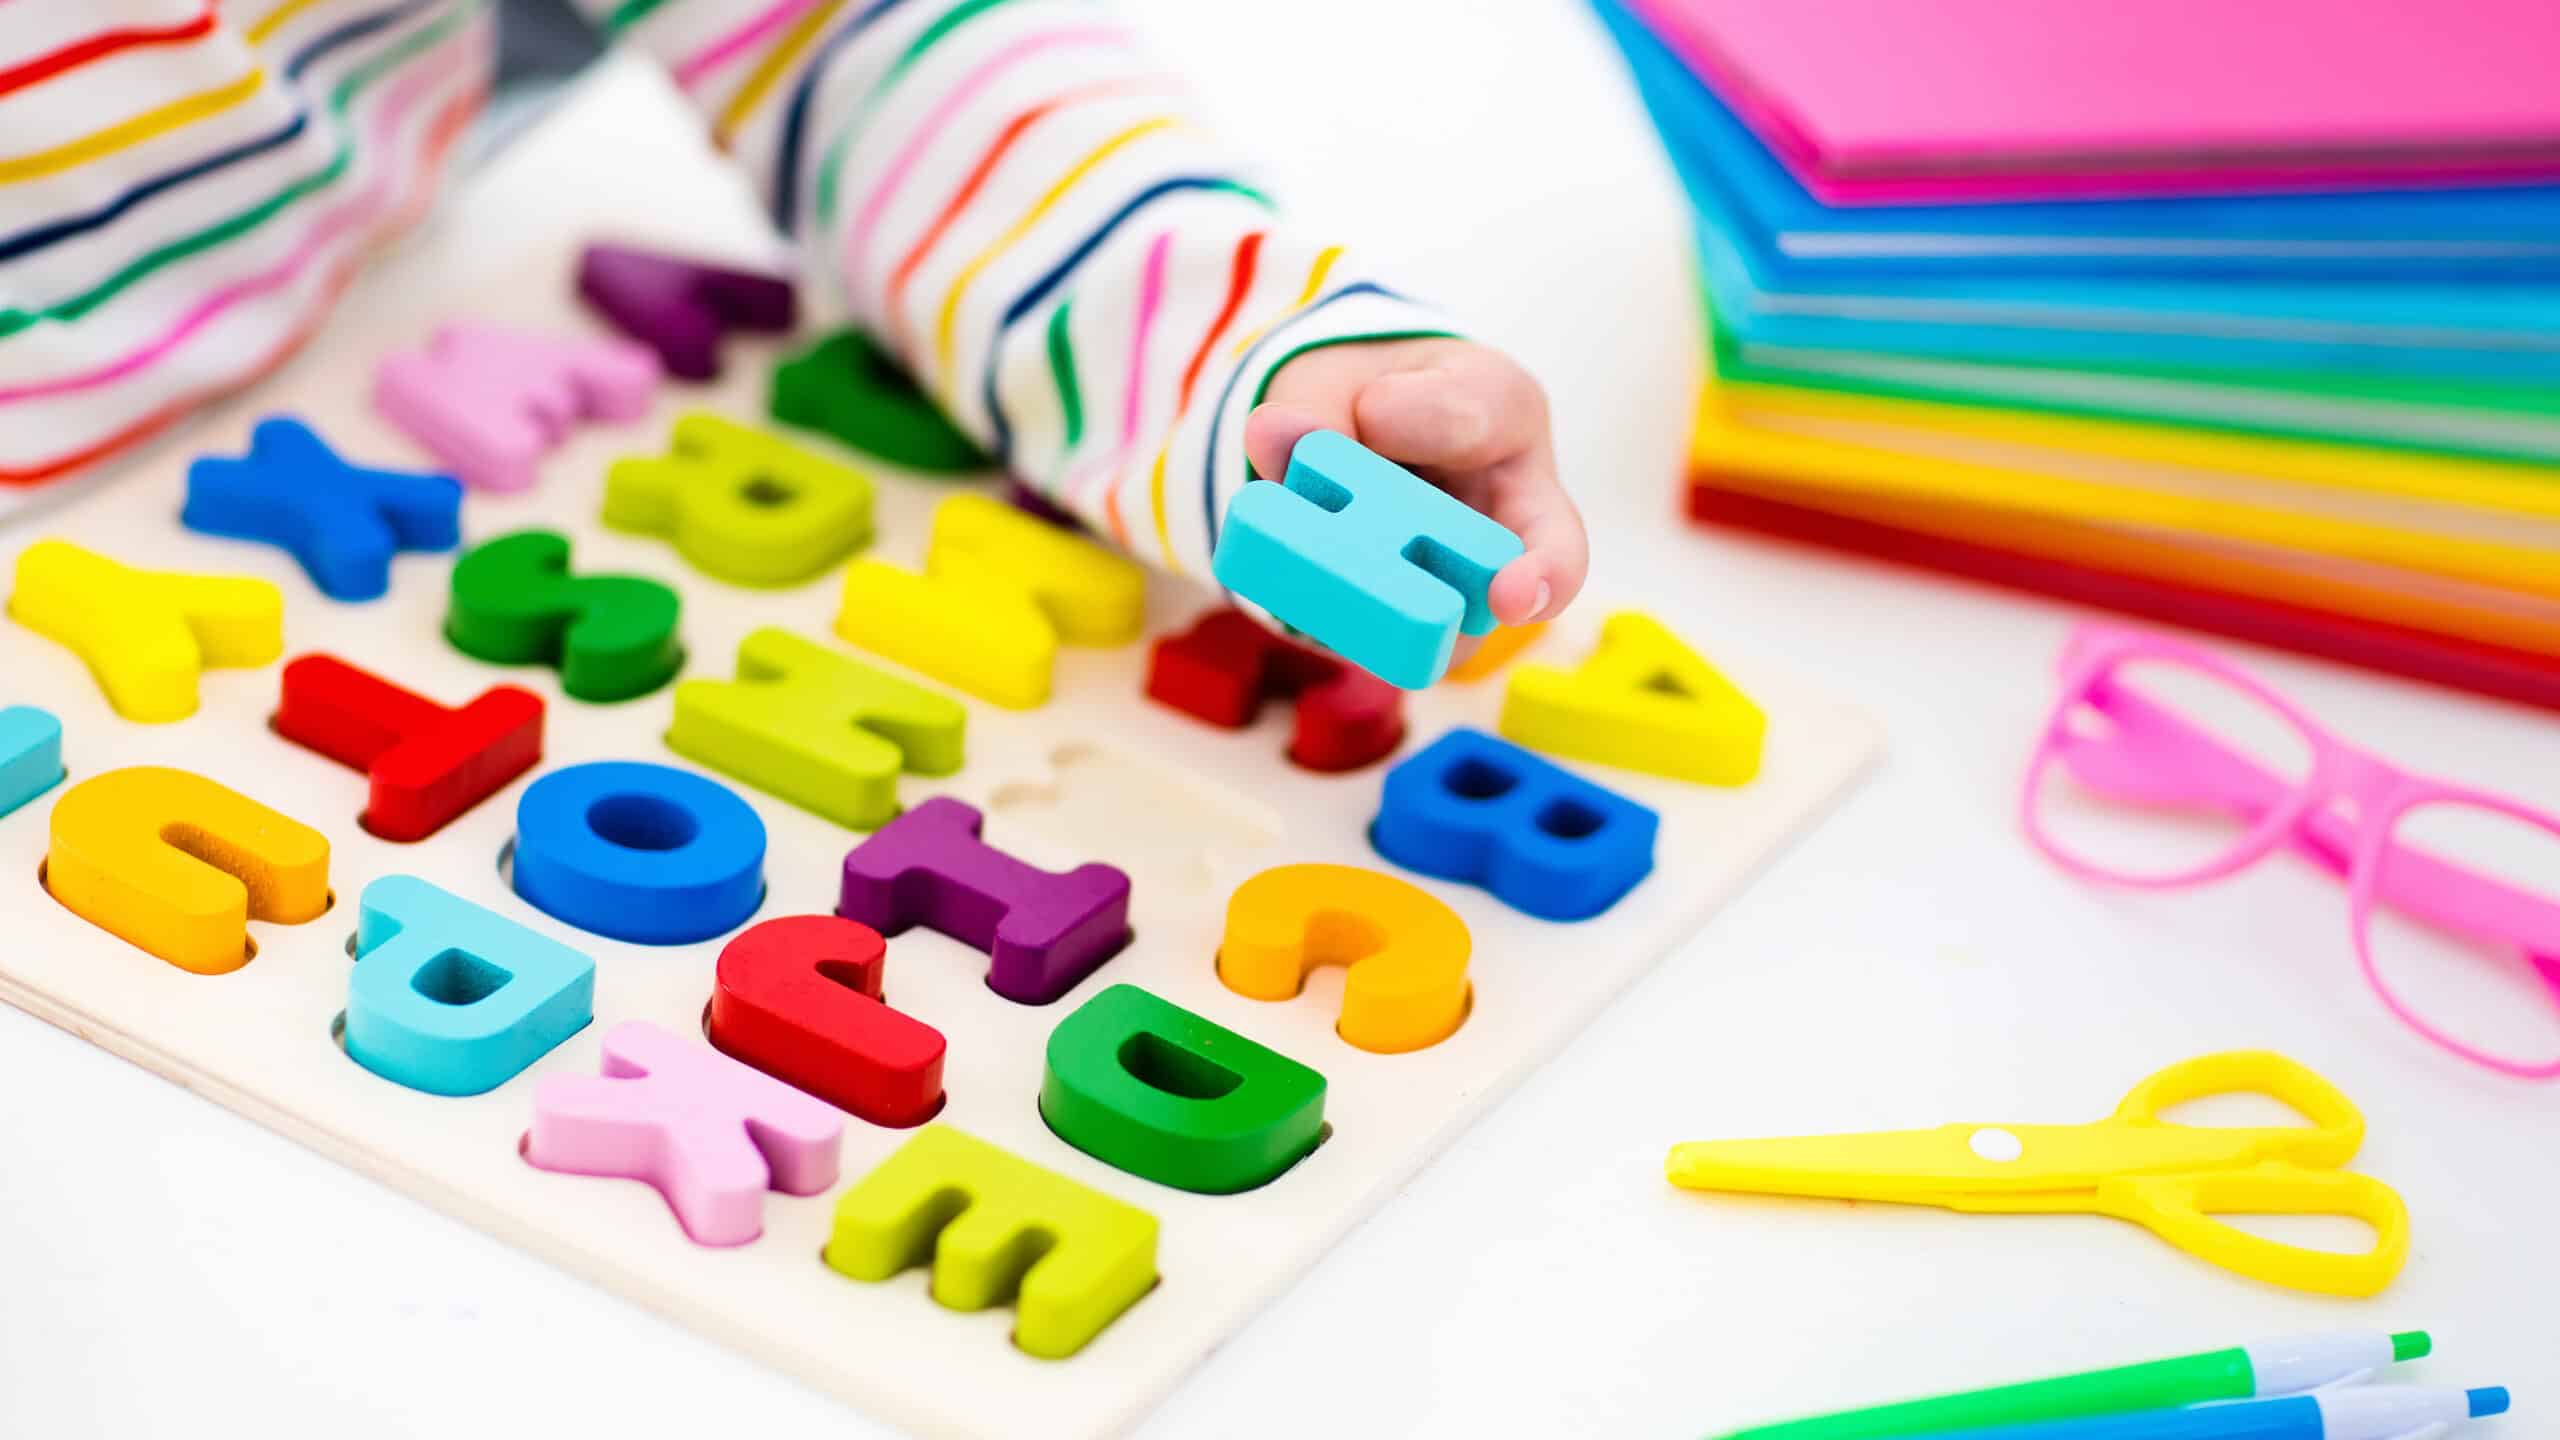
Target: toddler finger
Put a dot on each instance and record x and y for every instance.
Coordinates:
(1274, 429)
(1474, 411)
(1550, 573)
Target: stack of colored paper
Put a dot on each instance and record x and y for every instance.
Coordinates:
(2240, 316)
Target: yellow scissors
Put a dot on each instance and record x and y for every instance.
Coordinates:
(2170, 1178)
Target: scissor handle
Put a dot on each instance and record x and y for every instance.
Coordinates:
(2181, 1209)
(2336, 1131)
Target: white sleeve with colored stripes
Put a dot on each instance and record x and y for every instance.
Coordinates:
(1014, 198)
(185, 186)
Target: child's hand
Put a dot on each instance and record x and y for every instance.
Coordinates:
(1461, 416)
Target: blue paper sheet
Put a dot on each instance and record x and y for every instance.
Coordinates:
(2459, 235)
(2508, 330)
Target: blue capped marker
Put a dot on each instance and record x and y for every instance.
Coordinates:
(2376, 1412)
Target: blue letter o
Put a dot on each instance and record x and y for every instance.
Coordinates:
(639, 852)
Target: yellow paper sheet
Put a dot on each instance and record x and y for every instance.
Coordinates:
(1790, 470)
(1847, 453)
(2165, 455)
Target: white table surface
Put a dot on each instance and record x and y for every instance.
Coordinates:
(167, 1268)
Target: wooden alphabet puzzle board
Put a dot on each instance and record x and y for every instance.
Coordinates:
(1098, 773)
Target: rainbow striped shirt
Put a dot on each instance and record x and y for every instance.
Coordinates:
(1006, 192)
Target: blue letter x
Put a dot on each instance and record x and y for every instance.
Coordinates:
(343, 522)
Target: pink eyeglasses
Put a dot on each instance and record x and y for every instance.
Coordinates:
(2163, 766)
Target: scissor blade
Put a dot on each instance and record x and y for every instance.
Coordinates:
(1927, 1167)
(1884, 1165)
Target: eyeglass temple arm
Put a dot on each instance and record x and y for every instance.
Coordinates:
(2154, 757)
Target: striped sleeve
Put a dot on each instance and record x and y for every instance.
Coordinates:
(1029, 211)
(185, 186)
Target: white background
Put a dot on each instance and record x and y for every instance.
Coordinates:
(169, 1269)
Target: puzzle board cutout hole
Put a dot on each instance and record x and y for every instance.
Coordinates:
(1168, 826)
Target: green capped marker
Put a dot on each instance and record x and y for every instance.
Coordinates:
(2277, 1367)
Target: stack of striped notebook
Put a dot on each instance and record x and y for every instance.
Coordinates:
(2245, 317)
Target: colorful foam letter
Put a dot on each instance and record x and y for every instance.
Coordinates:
(423, 764)
(800, 999)
(147, 635)
(1042, 931)
(1091, 595)
(1546, 842)
(180, 865)
(1642, 701)
(710, 1134)
(823, 731)
(995, 644)
(30, 755)
(1406, 983)
(679, 307)
(849, 388)
(1142, 1084)
(638, 852)
(515, 602)
(1001, 590)
(741, 505)
(452, 999)
(1363, 555)
(341, 522)
(490, 403)
(995, 1227)
(1227, 664)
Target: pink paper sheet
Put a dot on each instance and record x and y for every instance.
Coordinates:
(1928, 101)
